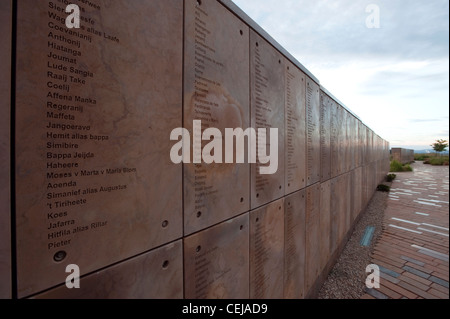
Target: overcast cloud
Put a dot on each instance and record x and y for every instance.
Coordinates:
(395, 78)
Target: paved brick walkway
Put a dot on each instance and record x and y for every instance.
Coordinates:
(413, 250)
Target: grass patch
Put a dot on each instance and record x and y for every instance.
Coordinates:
(421, 157)
(432, 159)
(383, 188)
(396, 166)
(390, 178)
(407, 168)
(439, 161)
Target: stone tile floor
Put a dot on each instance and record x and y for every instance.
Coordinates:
(413, 249)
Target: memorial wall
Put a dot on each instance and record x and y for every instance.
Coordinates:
(95, 114)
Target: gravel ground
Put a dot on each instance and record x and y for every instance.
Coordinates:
(347, 278)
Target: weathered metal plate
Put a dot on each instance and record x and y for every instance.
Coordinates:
(340, 209)
(326, 107)
(325, 223)
(365, 186)
(295, 117)
(334, 139)
(5, 120)
(312, 259)
(356, 153)
(351, 142)
(312, 132)
(334, 215)
(157, 274)
(358, 148)
(356, 192)
(347, 197)
(216, 92)
(348, 142)
(294, 245)
(363, 143)
(342, 141)
(92, 153)
(369, 152)
(216, 261)
(267, 251)
(267, 111)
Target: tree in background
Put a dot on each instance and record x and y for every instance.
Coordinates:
(440, 145)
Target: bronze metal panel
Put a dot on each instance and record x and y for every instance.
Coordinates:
(342, 140)
(267, 251)
(325, 223)
(295, 117)
(348, 142)
(216, 92)
(370, 152)
(92, 151)
(356, 192)
(363, 143)
(340, 208)
(348, 197)
(5, 120)
(312, 132)
(216, 261)
(267, 111)
(294, 245)
(312, 259)
(334, 139)
(334, 214)
(356, 154)
(157, 274)
(326, 107)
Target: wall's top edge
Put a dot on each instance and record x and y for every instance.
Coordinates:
(244, 17)
(338, 101)
(250, 22)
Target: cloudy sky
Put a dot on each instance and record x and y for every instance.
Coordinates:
(395, 77)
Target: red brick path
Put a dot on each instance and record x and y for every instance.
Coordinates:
(413, 250)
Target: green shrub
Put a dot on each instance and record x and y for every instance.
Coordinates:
(390, 177)
(421, 157)
(407, 168)
(396, 166)
(439, 160)
(383, 188)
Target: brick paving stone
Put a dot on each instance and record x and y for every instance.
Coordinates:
(438, 293)
(417, 278)
(440, 288)
(412, 260)
(413, 282)
(388, 292)
(406, 293)
(389, 259)
(389, 271)
(367, 296)
(387, 266)
(420, 268)
(440, 276)
(439, 281)
(416, 272)
(407, 271)
(389, 278)
(375, 293)
(416, 290)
